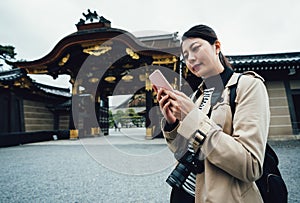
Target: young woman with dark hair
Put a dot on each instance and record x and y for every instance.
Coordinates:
(220, 155)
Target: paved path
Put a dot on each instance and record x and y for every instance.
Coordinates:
(114, 168)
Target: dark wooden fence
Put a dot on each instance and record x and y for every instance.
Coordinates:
(19, 138)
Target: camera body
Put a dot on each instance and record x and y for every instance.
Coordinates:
(187, 163)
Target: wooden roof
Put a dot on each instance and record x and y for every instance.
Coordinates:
(103, 51)
(122, 51)
(69, 52)
(276, 66)
(18, 80)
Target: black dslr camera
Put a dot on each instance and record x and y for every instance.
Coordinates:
(187, 164)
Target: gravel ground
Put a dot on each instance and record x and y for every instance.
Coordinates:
(67, 173)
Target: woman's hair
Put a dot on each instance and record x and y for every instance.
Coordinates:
(208, 34)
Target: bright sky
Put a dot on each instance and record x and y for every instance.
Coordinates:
(34, 27)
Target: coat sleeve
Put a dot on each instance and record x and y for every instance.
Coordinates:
(177, 144)
(242, 153)
(169, 135)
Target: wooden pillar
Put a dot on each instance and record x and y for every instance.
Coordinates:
(56, 120)
(291, 106)
(103, 115)
(149, 105)
(15, 112)
(74, 119)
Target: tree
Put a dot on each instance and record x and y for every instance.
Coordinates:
(119, 115)
(111, 119)
(130, 112)
(7, 53)
(133, 116)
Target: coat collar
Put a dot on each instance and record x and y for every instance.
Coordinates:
(234, 78)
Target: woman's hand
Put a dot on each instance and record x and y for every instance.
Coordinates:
(174, 105)
(165, 104)
(180, 104)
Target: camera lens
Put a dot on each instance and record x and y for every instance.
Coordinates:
(178, 176)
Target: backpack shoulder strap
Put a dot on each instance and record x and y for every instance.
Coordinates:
(234, 86)
(232, 95)
(270, 155)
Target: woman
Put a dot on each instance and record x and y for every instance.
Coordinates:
(228, 149)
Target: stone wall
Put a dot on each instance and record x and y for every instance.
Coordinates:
(280, 125)
(37, 116)
(64, 121)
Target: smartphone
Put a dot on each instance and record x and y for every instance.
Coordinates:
(159, 80)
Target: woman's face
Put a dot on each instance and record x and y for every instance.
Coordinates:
(201, 57)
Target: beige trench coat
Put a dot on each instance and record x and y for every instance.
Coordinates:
(233, 151)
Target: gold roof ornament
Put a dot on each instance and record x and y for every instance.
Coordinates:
(127, 78)
(64, 60)
(97, 50)
(93, 80)
(158, 60)
(132, 54)
(110, 79)
(148, 86)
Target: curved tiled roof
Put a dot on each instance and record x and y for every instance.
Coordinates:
(65, 92)
(290, 60)
(10, 76)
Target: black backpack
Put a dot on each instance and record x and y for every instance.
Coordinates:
(271, 185)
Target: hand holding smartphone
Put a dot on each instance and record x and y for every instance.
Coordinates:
(159, 80)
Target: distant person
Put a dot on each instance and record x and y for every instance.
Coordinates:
(115, 125)
(119, 126)
(220, 154)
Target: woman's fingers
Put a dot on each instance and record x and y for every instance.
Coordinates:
(168, 114)
(174, 104)
(158, 96)
(165, 106)
(155, 88)
(162, 102)
(160, 93)
(170, 93)
(176, 94)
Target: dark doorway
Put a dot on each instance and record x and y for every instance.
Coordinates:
(11, 108)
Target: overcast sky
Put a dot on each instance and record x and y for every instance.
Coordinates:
(34, 27)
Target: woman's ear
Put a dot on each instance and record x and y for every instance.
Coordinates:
(218, 46)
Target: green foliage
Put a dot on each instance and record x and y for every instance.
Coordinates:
(130, 112)
(126, 118)
(110, 119)
(7, 52)
(119, 114)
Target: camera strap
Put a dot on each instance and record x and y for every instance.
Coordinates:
(198, 164)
